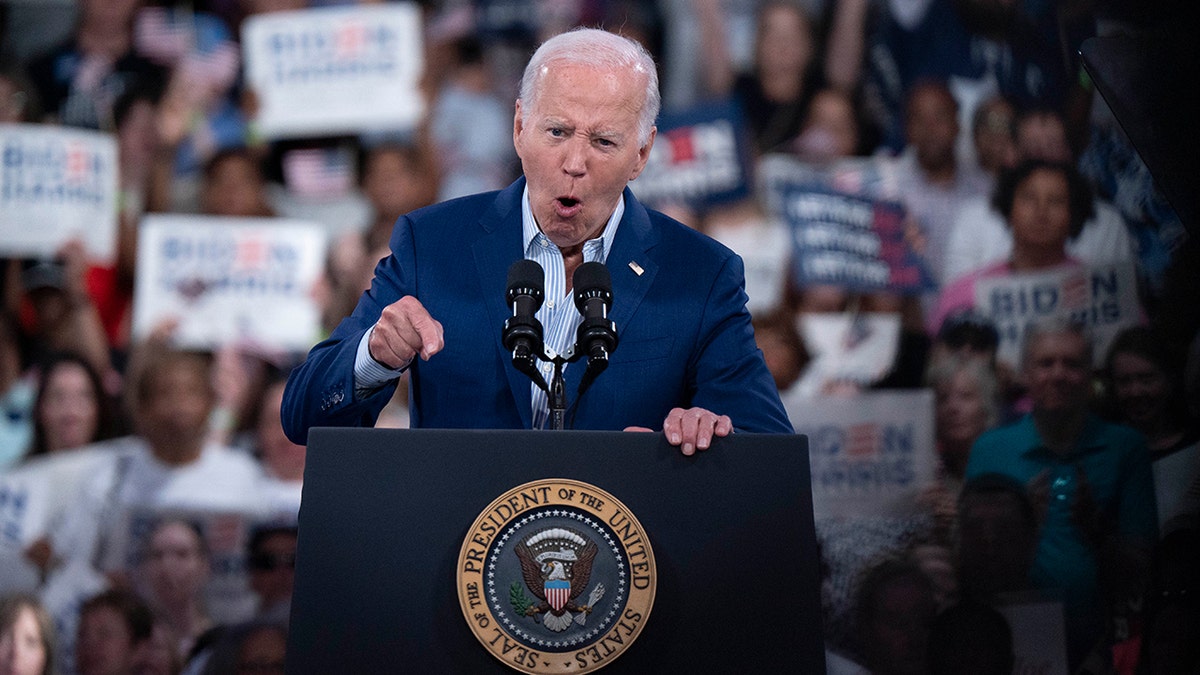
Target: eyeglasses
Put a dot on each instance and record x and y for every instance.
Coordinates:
(268, 562)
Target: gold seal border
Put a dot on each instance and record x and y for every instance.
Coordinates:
(471, 573)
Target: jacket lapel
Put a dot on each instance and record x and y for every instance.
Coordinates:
(495, 250)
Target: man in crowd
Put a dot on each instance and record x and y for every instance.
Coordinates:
(1089, 480)
(583, 128)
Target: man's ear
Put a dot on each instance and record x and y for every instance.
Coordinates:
(644, 154)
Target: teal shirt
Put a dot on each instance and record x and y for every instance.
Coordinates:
(1117, 465)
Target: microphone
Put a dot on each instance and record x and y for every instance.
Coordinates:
(597, 335)
(522, 333)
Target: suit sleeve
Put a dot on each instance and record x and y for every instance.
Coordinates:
(320, 391)
(728, 374)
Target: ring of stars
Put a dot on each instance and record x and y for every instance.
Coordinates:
(514, 626)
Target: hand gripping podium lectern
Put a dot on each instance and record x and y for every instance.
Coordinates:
(440, 551)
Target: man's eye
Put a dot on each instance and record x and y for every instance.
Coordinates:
(605, 143)
(558, 133)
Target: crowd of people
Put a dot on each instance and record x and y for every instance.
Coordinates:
(149, 495)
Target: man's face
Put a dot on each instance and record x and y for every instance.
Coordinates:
(1043, 137)
(1056, 368)
(578, 145)
(932, 127)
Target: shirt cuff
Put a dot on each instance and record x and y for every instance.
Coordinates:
(370, 374)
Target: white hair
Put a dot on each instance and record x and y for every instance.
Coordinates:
(1054, 325)
(596, 48)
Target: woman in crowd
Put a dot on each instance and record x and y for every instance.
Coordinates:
(26, 637)
(175, 568)
(1044, 204)
(72, 409)
(1144, 391)
(111, 627)
(966, 405)
(776, 94)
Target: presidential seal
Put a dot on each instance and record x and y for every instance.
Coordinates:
(556, 576)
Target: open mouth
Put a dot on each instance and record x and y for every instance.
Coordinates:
(568, 202)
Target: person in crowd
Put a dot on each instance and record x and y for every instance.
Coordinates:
(1044, 204)
(970, 637)
(992, 135)
(158, 654)
(762, 240)
(63, 315)
(1091, 480)
(112, 626)
(17, 394)
(71, 412)
(234, 185)
(467, 128)
(936, 561)
(979, 236)
(998, 532)
(784, 351)
(966, 404)
(776, 94)
(1146, 392)
(982, 46)
(256, 647)
(27, 638)
(281, 459)
(18, 99)
(239, 378)
(272, 563)
(167, 464)
(894, 607)
(832, 128)
(79, 81)
(396, 178)
(579, 146)
(933, 183)
(72, 409)
(175, 568)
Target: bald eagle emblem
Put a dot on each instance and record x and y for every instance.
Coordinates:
(556, 564)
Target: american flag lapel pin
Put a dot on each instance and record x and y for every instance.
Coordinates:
(637, 269)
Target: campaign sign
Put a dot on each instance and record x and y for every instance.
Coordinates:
(57, 184)
(335, 70)
(854, 242)
(241, 280)
(1039, 634)
(1104, 298)
(700, 157)
(869, 454)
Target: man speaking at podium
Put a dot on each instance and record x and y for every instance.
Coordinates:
(687, 362)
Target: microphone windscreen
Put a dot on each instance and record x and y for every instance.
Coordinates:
(526, 274)
(589, 278)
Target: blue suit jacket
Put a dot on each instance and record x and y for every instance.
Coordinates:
(684, 333)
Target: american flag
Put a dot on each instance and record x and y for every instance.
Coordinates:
(318, 172)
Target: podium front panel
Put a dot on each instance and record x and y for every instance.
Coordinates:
(385, 513)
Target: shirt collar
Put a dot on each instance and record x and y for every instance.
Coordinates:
(1091, 439)
(530, 230)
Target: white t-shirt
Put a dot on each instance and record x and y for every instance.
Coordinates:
(981, 237)
(220, 480)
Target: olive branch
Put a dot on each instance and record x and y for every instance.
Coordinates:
(520, 601)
